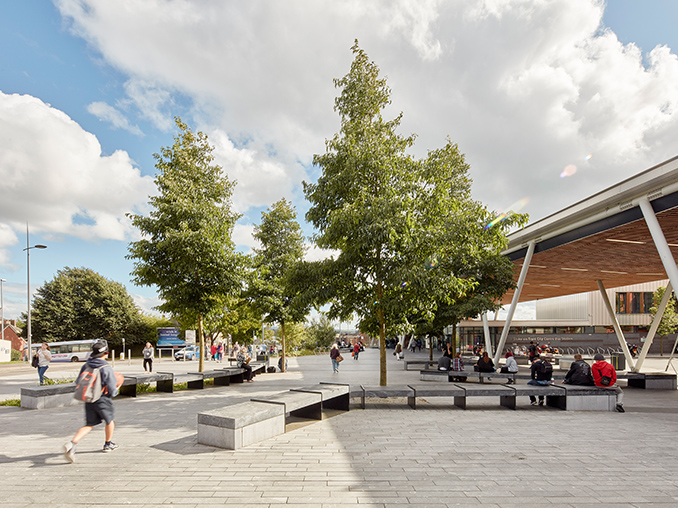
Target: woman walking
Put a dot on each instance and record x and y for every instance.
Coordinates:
(334, 356)
(44, 357)
(148, 357)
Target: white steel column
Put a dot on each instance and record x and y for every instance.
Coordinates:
(514, 302)
(615, 324)
(660, 241)
(486, 331)
(653, 328)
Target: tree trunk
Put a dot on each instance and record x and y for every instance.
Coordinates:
(282, 354)
(382, 337)
(201, 342)
(454, 338)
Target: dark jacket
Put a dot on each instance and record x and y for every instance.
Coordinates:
(444, 363)
(579, 374)
(541, 370)
(484, 366)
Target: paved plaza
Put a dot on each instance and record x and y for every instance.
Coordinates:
(385, 456)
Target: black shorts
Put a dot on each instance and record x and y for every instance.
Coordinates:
(99, 411)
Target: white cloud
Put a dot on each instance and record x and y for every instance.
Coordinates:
(107, 113)
(314, 253)
(56, 179)
(242, 236)
(525, 87)
(8, 238)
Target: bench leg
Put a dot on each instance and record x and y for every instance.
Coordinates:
(412, 401)
(165, 386)
(237, 378)
(341, 403)
(559, 401)
(128, 390)
(312, 412)
(460, 401)
(222, 381)
(196, 385)
(508, 401)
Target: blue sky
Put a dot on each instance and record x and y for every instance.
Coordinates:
(88, 92)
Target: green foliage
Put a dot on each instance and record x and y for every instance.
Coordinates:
(407, 231)
(12, 402)
(321, 333)
(80, 304)
(669, 322)
(186, 250)
(271, 288)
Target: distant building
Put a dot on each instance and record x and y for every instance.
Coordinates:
(13, 334)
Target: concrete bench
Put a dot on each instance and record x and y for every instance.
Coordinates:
(164, 383)
(429, 390)
(447, 375)
(419, 363)
(239, 425)
(48, 396)
(333, 396)
(650, 380)
(386, 391)
(297, 403)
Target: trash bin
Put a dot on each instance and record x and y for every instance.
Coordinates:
(618, 361)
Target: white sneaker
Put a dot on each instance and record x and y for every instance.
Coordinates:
(69, 452)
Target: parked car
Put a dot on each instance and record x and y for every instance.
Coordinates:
(191, 352)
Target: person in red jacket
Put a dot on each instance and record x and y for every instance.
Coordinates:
(605, 376)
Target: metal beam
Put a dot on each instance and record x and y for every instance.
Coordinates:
(653, 328)
(615, 324)
(514, 302)
(486, 331)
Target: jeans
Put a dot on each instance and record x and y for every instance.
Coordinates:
(335, 365)
(41, 373)
(534, 382)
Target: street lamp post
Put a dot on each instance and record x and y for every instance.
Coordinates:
(2, 308)
(28, 290)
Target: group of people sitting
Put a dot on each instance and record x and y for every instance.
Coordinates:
(601, 373)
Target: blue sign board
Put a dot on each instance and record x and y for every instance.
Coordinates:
(169, 337)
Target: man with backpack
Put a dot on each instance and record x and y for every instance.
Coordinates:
(605, 376)
(541, 372)
(96, 386)
(579, 373)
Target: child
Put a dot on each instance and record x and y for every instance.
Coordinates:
(99, 410)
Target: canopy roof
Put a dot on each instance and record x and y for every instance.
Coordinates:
(604, 237)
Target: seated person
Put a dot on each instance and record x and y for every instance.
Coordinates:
(541, 373)
(444, 363)
(510, 367)
(485, 363)
(579, 373)
(458, 365)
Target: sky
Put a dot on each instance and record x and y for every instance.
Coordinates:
(550, 100)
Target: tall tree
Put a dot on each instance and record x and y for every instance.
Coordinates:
(186, 249)
(82, 304)
(282, 248)
(398, 223)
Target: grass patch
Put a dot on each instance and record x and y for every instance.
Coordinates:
(59, 381)
(146, 388)
(11, 402)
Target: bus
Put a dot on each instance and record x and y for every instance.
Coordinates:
(70, 350)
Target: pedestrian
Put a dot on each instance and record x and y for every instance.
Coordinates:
(148, 357)
(605, 376)
(213, 352)
(335, 357)
(220, 351)
(243, 360)
(413, 345)
(44, 357)
(356, 350)
(511, 366)
(579, 373)
(541, 373)
(399, 351)
(532, 351)
(101, 409)
(236, 350)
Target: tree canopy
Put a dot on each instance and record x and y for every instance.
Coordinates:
(81, 304)
(186, 250)
(400, 225)
(282, 249)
